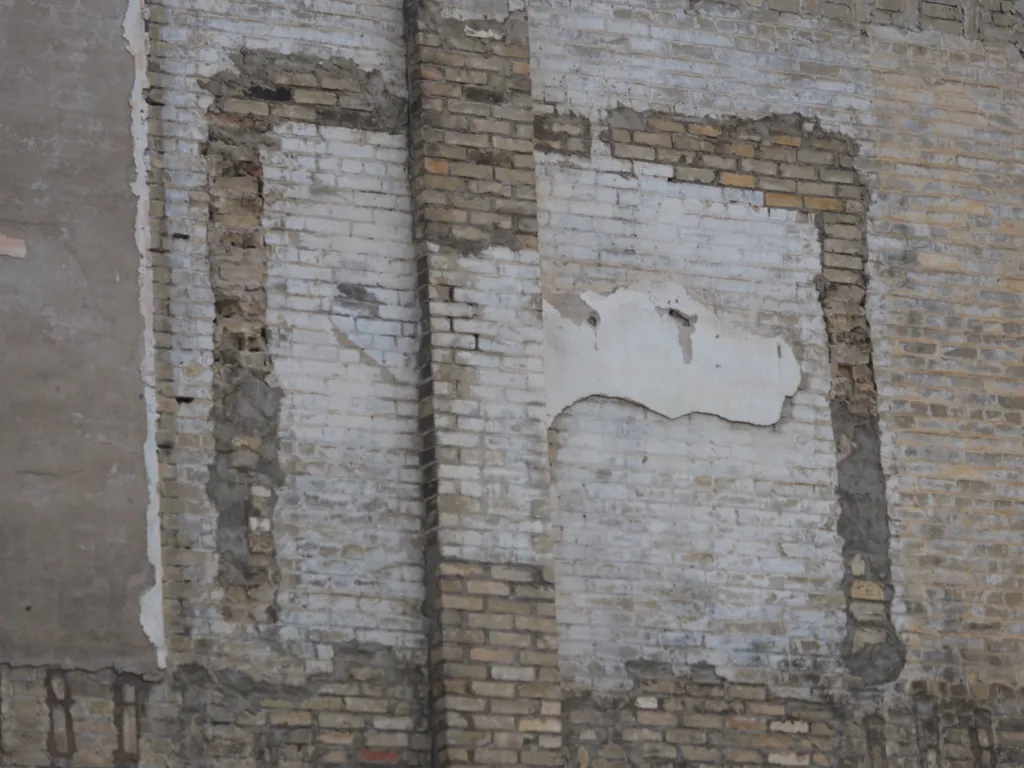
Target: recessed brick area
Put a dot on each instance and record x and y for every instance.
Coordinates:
(799, 166)
(246, 473)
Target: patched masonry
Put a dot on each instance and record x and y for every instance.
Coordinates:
(656, 346)
(245, 475)
(800, 166)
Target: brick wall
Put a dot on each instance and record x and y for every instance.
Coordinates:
(375, 549)
(919, 149)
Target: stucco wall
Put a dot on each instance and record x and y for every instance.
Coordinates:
(73, 533)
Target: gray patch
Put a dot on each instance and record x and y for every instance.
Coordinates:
(573, 308)
(686, 325)
(355, 300)
(564, 134)
(364, 356)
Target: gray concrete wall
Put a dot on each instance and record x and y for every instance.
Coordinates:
(73, 562)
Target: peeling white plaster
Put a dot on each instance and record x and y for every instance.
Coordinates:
(12, 246)
(484, 34)
(151, 603)
(653, 345)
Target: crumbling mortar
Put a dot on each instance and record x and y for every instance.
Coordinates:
(561, 133)
(264, 90)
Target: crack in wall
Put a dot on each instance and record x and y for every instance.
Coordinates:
(802, 167)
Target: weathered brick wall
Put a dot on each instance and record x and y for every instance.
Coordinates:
(656, 553)
(378, 547)
(292, 520)
(941, 173)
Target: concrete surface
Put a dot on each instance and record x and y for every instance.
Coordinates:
(73, 560)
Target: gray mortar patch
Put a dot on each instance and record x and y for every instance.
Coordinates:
(246, 473)
(562, 134)
(746, 153)
(353, 97)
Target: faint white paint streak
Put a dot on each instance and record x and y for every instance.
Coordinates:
(12, 246)
(151, 602)
(653, 345)
(488, 10)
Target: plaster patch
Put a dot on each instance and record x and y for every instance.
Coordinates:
(151, 601)
(657, 347)
(12, 246)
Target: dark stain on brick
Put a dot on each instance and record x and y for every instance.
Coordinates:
(128, 691)
(874, 733)
(484, 95)
(929, 731)
(800, 166)
(60, 741)
(280, 93)
(330, 718)
(562, 133)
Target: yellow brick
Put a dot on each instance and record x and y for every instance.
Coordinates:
(787, 141)
(867, 590)
(700, 129)
(744, 180)
(782, 200)
(291, 718)
(824, 204)
(431, 165)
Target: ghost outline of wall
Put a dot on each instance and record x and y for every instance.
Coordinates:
(655, 346)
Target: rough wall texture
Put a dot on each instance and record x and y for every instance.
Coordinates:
(74, 421)
(378, 550)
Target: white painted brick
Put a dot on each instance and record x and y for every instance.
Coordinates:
(627, 482)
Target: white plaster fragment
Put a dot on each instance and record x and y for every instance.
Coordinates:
(12, 246)
(652, 344)
(483, 34)
(151, 603)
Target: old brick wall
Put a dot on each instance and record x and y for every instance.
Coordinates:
(292, 522)
(654, 90)
(381, 546)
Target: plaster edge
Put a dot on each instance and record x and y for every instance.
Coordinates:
(136, 40)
